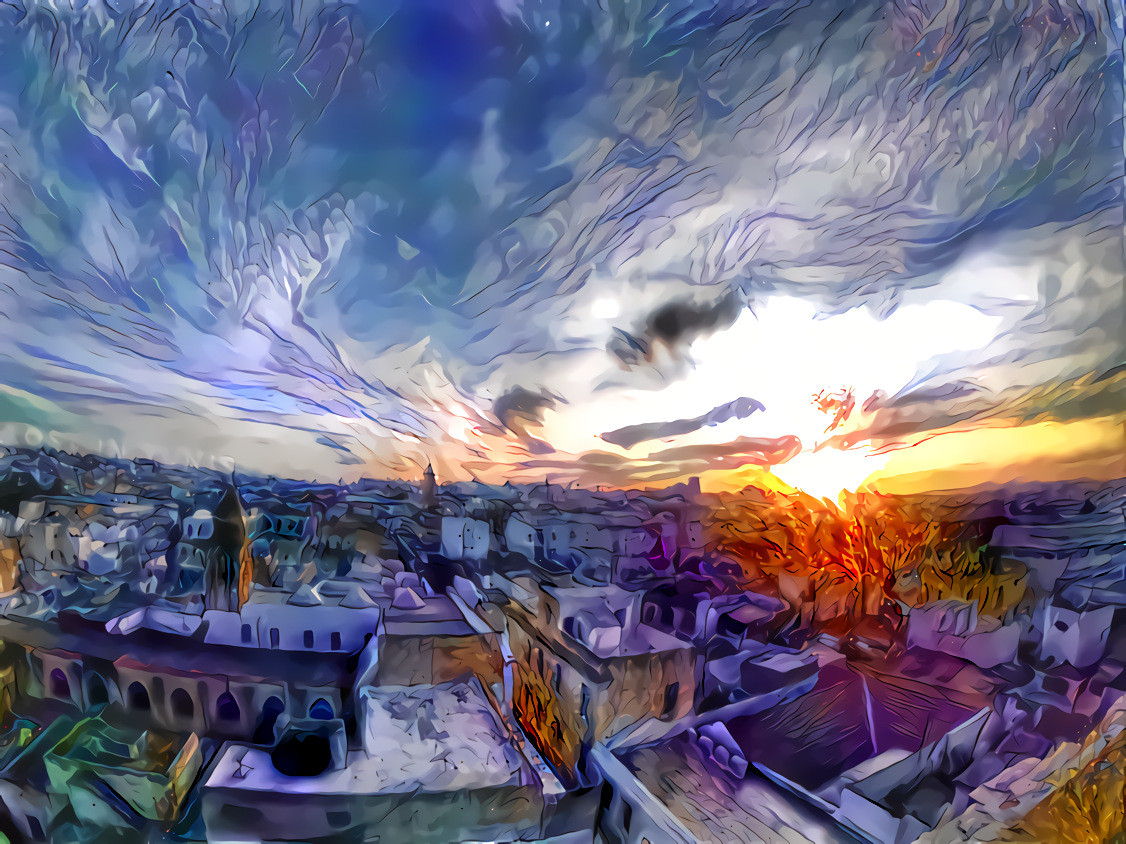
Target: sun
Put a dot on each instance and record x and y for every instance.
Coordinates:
(830, 472)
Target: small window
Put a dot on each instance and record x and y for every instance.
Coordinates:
(335, 640)
(672, 692)
(97, 693)
(246, 631)
(182, 705)
(275, 638)
(227, 707)
(1055, 685)
(246, 817)
(60, 686)
(308, 638)
(138, 697)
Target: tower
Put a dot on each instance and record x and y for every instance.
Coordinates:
(226, 560)
(429, 492)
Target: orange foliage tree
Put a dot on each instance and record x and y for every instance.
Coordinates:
(834, 565)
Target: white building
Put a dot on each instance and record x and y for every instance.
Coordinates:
(1078, 638)
(304, 621)
(520, 537)
(465, 539)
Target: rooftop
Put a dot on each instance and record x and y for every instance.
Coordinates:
(716, 806)
(417, 738)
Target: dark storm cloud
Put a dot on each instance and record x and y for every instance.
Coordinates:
(631, 435)
(676, 325)
(521, 410)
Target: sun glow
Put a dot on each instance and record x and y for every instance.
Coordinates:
(783, 354)
(828, 472)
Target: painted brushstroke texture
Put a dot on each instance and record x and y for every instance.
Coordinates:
(631, 435)
(335, 238)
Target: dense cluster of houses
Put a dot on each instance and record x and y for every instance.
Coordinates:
(296, 658)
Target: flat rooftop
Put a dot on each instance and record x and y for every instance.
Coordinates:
(416, 738)
(717, 806)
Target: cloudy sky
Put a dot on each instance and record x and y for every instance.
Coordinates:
(619, 241)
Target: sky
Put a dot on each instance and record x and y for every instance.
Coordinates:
(615, 242)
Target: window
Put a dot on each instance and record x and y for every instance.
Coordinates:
(182, 706)
(138, 697)
(96, 691)
(672, 692)
(539, 661)
(246, 631)
(275, 638)
(264, 731)
(322, 710)
(335, 640)
(1055, 685)
(308, 638)
(60, 686)
(557, 680)
(227, 708)
(244, 817)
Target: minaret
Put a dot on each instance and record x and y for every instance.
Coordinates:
(429, 488)
(226, 586)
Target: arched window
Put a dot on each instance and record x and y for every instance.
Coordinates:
(60, 686)
(227, 707)
(672, 695)
(182, 705)
(138, 697)
(271, 709)
(321, 709)
(96, 693)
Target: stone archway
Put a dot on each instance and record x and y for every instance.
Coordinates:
(58, 683)
(137, 697)
(96, 691)
(182, 705)
(271, 710)
(227, 708)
